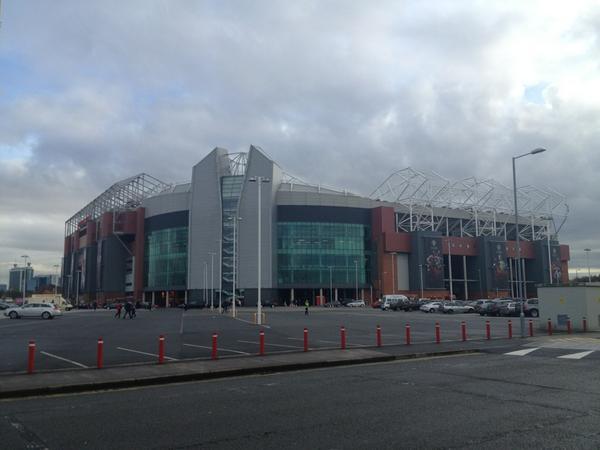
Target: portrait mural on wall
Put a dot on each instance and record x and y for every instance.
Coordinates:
(434, 263)
(499, 266)
(555, 264)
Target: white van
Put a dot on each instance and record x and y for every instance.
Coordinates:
(391, 301)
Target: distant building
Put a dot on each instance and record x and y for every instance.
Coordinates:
(16, 276)
(44, 282)
(3, 287)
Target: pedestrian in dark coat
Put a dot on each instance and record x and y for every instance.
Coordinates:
(127, 310)
(118, 313)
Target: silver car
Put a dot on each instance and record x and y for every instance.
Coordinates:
(43, 310)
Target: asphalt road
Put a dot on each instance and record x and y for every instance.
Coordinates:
(480, 401)
(70, 341)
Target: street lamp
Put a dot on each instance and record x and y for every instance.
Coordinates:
(77, 292)
(205, 283)
(331, 286)
(235, 221)
(259, 181)
(56, 266)
(220, 242)
(520, 288)
(356, 278)
(24, 274)
(212, 278)
(393, 273)
(587, 254)
(421, 278)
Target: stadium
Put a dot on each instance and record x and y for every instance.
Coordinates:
(417, 233)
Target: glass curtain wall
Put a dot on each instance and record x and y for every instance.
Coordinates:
(165, 259)
(307, 250)
(231, 188)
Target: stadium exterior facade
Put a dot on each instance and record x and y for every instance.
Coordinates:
(417, 234)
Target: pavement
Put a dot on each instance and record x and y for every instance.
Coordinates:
(135, 375)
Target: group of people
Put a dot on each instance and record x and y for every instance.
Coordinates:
(129, 310)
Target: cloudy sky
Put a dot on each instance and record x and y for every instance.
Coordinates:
(92, 92)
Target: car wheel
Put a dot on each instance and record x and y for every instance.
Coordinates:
(534, 313)
(46, 315)
(431, 311)
(13, 315)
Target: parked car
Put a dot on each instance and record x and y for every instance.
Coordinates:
(43, 310)
(334, 304)
(4, 305)
(531, 307)
(494, 308)
(391, 301)
(345, 301)
(376, 304)
(356, 303)
(482, 305)
(409, 305)
(431, 307)
(456, 307)
(510, 309)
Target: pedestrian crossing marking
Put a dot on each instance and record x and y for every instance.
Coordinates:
(522, 352)
(576, 355)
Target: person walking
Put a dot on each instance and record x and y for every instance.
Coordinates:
(306, 308)
(127, 310)
(132, 311)
(118, 313)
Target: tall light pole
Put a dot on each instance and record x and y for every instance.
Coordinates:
(220, 242)
(421, 278)
(212, 278)
(235, 219)
(259, 181)
(24, 272)
(331, 286)
(56, 266)
(587, 254)
(77, 292)
(356, 278)
(520, 289)
(205, 283)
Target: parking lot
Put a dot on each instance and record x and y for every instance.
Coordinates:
(71, 340)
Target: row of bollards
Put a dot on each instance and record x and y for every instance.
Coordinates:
(261, 344)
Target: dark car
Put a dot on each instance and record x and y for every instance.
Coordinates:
(494, 308)
(412, 304)
(334, 304)
(345, 301)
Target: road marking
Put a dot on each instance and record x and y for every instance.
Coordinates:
(272, 345)
(576, 355)
(522, 352)
(144, 353)
(251, 323)
(219, 348)
(65, 359)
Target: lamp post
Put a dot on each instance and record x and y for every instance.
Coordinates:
(587, 254)
(421, 278)
(520, 289)
(77, 291)
(56, 266)
(220, 242)
(259, 181)
(235, 221)
(393, 273)
(24, 272)
(356, 278)
(212, 278)
(205, 283)
(331, 286)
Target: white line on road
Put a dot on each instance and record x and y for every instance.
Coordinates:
(251, 323)
(272, 345)
(144, 353)
(522, 352)
(219, 349)
(576, 355)
(65, 360)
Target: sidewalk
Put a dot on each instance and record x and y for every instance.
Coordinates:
(81, 380)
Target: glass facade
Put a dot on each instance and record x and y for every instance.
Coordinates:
(307, 250)
(231, 188)
(165, 260)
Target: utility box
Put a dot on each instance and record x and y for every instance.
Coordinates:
(575, 303)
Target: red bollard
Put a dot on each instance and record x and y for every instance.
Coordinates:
(530, 328)
(549, 327)
(378, 336)
(569, 329)
(407, 328)
(100, 353)
(463, 330)
(438, 338)
(31, 355)
(262, 343)
(213, 355)
(510, 329)
(305, 339)
(584, 324)
(488, 333)
(161, 349)
(343, 337)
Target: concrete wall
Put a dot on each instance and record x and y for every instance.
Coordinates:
(573, 302)
(205, 215)
(258, 165)
(166, 203)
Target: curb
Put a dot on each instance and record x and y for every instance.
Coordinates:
(199, 376)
